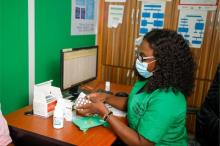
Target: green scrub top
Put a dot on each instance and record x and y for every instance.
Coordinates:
(158, 116)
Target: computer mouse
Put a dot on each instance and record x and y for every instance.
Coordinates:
(121, 94)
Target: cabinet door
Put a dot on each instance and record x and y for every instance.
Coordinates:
(202, 55)
(214, 58)
(207, 58)
(118, 42)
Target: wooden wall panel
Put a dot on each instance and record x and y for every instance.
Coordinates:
(207, 58)
(205, 49)
(117, 42)
(214, 58)
(118, 75)
(100, 39)
(202, 55)
(168, 18)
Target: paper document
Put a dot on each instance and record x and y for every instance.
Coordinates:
(116, 112)
(199, 2)
(115, 15)
(191, 24)
(152, 16)
(83, 19)
(115, 0)
(45, 98)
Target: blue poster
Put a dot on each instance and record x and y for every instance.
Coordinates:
(152, 16)
(83, 17)
(85, 9)
(90, 9)
(191, 25)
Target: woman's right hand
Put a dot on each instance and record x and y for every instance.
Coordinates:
(99, 96)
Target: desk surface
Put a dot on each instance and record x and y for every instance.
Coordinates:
(70, 133)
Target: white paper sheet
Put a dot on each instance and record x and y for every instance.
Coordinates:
(152, 16)
(191, 25)
(199, 2)
(197, 8)
(115, 15)
(84, 17)
(153, 1)
(115, 0)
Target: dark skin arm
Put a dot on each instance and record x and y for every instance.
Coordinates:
(11, 144)
(125, 133)
(117, 102)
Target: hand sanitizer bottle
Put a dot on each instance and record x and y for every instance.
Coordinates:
(58, 115)
(107, 86)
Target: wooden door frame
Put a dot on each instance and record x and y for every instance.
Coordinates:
(100, 25)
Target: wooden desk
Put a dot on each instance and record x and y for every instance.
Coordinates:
(34, 130)
(94, 85)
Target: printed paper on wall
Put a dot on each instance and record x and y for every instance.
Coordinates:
(83, 19)
(152, 16)
(115, 15)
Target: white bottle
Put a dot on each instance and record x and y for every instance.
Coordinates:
(58, 116)
(107, 86)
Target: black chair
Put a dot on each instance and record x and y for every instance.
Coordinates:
(207, 117)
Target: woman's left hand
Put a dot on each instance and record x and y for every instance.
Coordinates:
(95, 107)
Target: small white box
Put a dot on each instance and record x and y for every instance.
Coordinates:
(45, 98)
(68, 109)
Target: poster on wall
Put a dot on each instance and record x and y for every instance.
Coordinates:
(152, 16)
(83, 17)
(198, 2)
(115, 1)
(191, 23)
(115, 15)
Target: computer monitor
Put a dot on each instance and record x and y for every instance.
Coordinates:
(78, 66)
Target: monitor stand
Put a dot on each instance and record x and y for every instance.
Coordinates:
(74, 91)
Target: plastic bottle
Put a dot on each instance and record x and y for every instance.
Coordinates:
(107, 86)
(58, 115)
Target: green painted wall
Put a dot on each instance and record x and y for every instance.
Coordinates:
(14, 55)
(52, 34)
(1, 15)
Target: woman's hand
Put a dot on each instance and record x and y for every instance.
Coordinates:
(99, 96)
(95, 107)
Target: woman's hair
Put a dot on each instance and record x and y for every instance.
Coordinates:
(175, 66)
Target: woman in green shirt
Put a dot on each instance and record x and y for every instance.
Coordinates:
(156, 106)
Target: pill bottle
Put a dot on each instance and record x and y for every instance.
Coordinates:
(107, 86)
(58, 116)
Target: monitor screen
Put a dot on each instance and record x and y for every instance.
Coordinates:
(78, 65)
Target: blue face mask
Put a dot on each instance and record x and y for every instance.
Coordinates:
(142, 69)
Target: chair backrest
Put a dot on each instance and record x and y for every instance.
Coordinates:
(207, 119)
